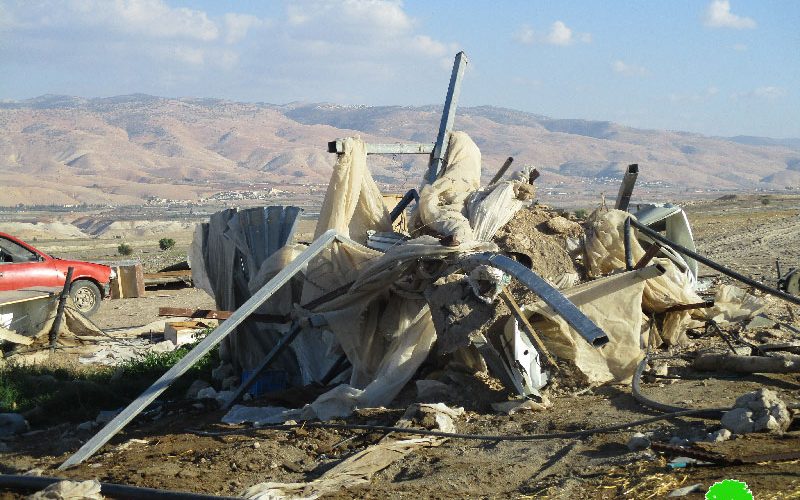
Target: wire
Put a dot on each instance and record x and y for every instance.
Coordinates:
(474, 437)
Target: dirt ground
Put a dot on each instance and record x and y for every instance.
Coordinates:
(743, 233)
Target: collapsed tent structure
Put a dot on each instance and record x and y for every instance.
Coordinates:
(363, 306)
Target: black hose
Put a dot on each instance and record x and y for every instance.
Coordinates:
(713, 265)
(38, 483)
(626, 240)
(473, 437)
(636, 392)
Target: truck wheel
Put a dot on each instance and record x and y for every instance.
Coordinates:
(85, 296)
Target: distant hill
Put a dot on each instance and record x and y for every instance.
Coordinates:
(126, 149)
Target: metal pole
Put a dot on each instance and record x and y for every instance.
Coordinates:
(503, 169)
(713, 265)
(448, 117)
(626, 241)
(208, 343)
(626, 188)
(585, 327)
(62, 301)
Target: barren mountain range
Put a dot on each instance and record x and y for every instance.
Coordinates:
(127, 149)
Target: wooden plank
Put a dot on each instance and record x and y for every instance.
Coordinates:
(16, 338)
(186, 312)
(11, 297)
(132, 281)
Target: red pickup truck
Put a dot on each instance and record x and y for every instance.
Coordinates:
(23, 266)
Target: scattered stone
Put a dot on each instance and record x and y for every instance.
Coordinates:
(207, 393)
(64, 490)
(678, 441)
(197, 386)
(719, 436)
(757, 411)
(12, 423)
(106, 416)
(638, 442)
(229, 383)
(224, 397)
(222, 372)
(431, 391)
(561, 225)
(86, 426)
(256, 445)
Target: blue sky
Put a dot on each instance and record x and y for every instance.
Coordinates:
(712, 66)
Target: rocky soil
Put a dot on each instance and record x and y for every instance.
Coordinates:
(743, 233)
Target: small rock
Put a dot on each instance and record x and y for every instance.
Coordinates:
(12, 423)
(678, 441)
(224, 397)
(229, 383)
(660, 369)
(222, 372)
(719, 436)
(638, 442)
(757, 411)
(197, 386)
(207, 393)
(256, 445)
(86, 426)
(106, 416)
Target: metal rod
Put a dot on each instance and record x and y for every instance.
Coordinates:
(626, 188)
(278, 348)
(208, 343)
(411, 194)
(627, 243)
(648, 255)
(688, 307)
(62, 301)
(337, 146)
(503, 169)
(526, 325)
(713, 265)
(551, 296)
(448, 117)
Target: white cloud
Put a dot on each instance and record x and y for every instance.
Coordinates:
(238, 25)
(558, 34)
(768, 93)
(626, 69)
(719, 15)
(525, 35)
(151, 18)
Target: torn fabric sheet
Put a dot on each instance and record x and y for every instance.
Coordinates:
(441, 207)
(605, 253)
(353, 203)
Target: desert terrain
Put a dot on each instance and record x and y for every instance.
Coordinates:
(188, 449)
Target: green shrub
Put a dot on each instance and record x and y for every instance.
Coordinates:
(765, 201)
(55, 394)
(580, 213)
(166, 243)
(124, 249)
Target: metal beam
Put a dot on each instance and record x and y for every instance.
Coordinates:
(626, 188)
(448, 117)
(585, 327)
(208, 343)
(337, 146)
